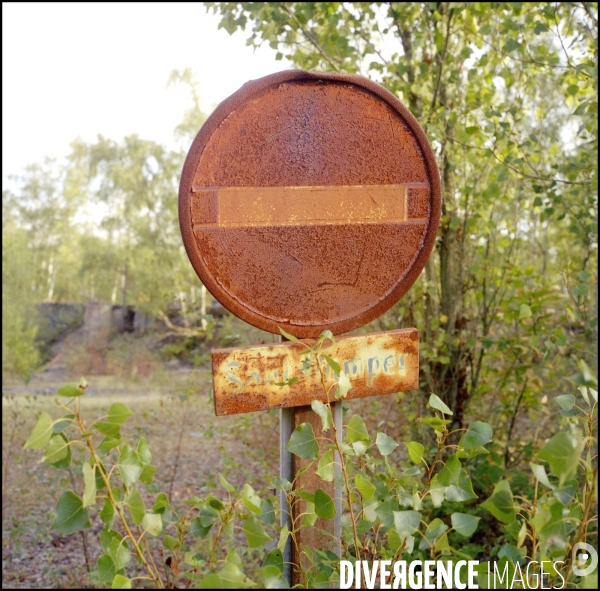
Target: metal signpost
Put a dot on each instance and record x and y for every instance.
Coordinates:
(310, 201)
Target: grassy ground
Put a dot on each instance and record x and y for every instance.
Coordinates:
(190, 446)
(173, 410)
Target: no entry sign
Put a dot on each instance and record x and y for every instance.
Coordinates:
(309, 201)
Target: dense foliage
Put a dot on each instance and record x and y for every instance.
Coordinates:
(507, 94)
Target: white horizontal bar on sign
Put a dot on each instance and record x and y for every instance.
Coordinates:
(319, 205)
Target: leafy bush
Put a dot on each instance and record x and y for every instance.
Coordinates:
(408, 501)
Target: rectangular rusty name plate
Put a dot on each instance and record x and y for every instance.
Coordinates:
(245, 379)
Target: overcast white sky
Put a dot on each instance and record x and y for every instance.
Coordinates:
(79, 69)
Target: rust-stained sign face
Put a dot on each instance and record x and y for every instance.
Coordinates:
(309, 201)
(245, 378)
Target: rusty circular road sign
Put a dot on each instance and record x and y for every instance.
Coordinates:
(309, 201)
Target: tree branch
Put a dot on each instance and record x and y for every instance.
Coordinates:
(442, 60)
(516, 59)
(179, 331)
(310, 38)
(589, 13)
(513, 168)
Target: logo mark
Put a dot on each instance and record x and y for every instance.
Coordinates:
(581, 555)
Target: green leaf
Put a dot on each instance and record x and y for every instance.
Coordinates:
(501, 504)
(274, 578)
(289, 382)
(415, 451)
(462, 453)
(89, 481)
(511, 45)
(385, 512)
(274, 558)
(109, 443)
(144, 452)
(255, 533)
(438, 404)
(524, 311)
(226, 484)
(287, 335)
(406, 523)
(283, 536)
(324, 506)
(333, 364)
(462, 490)
(303, 443)
(582, 389)
(363, 526)
(326, 334)
(357, 430)
(326, 467)
(107, 515)
(309, 517)
(118, 413)
(137, 509)
(208, 515)
(211, 581)
(477, 434)
(267, 515)
(437, 491)
(130, 465)
(58, 450)
(60, 425)
(438, 424)
(171, 542)
(450, 473)
(540, 474)
(71, 391)
(513, 528)
(111, 429)
(385, 444)
(251, 499)
(147, 475)
(121, 582)
(152, 523)
(107, 536)
(566, 401)
(215, 503)
(117, 550)
(106, 569)
(562, 452)
(198, 529)
(512, 553)
(434, 530)
(233, 558)
(41, 434)
(464, 524)
(344, 386)
(70, 515)
(522, 534)
(232, 577)
(366, 489)
(322, 410)
(161, 504)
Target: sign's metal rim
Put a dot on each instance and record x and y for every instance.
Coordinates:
(253, 89)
